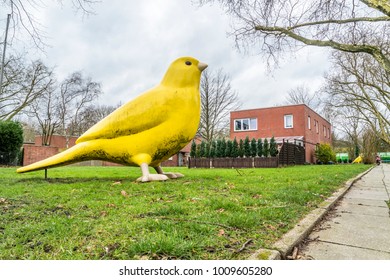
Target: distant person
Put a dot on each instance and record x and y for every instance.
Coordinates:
(378, 159)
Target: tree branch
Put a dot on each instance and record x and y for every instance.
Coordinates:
(374, 51)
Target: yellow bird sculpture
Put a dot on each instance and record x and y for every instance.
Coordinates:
(145, 131)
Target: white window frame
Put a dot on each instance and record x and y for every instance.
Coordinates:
(250, 122)
(286, 124)
(309, 122)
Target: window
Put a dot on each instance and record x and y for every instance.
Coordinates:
(324, 131)
(329, 133)
(288, 121)
(316, 126)
(245, 124)
(308, 122)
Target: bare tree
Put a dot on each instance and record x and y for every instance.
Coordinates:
(302, 95)
(23, 84)
(23, 19)
(61, 109)
(76, 93)
(277, 26)
(348, 128)
(90, 116)
(358, 83)
(44, 110)
(218, 99)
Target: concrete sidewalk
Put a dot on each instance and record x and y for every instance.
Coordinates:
(358, 228)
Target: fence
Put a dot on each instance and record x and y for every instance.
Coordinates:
(289, 154)
(233, 162)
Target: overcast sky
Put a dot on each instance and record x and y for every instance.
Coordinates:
(128, 45)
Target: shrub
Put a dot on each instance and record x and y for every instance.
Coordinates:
(219, 149)
(208, 147)
(253, 147)
(223, 147)
(213, 149)
(259, 147)
(265, 148)
(235, 148)
(273, 148)
(11, 141)
(247, 147)
(229, 148)
(241, 150)
(202, 150)
(325, 154)
(193, 149)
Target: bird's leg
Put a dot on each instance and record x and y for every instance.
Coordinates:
(147, 177)
(170, 175)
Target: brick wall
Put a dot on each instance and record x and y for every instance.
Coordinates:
(33, 154)
(57, 141)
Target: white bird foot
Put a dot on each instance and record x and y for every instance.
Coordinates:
(172, 175)
(147, 177)
(152, 177)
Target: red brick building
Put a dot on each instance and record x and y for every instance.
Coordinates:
(179, 159)
(292, 122)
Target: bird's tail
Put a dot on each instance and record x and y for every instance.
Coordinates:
(74, 154)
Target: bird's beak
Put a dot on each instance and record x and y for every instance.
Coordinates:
(202, 66)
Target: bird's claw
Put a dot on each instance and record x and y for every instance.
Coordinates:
(152, 177)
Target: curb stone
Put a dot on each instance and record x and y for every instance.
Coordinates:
(284, 246)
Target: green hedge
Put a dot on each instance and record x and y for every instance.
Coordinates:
(11, 141)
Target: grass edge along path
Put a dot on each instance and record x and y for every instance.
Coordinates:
(102, 213)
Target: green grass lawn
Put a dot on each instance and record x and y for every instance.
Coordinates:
(102, 213)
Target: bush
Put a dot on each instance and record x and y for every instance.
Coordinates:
(11, 141)
(265, 148)
(241, 151)
(235, 148)
(273, 147)
(260, 147)
(193, 149)
(229, 148)
(247, 147)
(223, 147)
(253, 147)
(213, 149)
(325, 154)
(203, 149)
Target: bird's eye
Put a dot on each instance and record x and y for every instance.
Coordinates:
(188, 63)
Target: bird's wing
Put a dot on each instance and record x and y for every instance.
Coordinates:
(142, 113)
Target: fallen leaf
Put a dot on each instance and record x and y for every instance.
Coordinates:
(210, 249)
(111, 205)
(111, 247)
(271, 227)
(220, 210)
(124, 193)
(103, 213)
(117, 183)
(221, 232)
